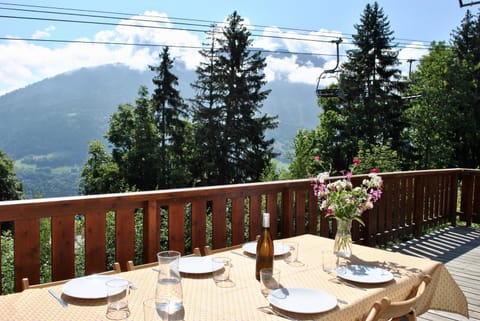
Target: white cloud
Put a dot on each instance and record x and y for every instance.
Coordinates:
(45, 33)
(28, 62)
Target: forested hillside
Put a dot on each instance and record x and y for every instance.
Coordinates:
(46, 127)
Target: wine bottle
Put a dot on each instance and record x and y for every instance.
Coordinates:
(264, 247)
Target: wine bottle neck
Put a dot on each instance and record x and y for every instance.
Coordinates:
(266, 220)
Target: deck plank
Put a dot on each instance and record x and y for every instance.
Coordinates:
(458, 248)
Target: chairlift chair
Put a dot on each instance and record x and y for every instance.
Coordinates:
(329, 92)
(418, 95)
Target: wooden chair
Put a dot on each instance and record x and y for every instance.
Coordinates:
(26, 283)
(131, 266)
(385, 309)
(208, 251)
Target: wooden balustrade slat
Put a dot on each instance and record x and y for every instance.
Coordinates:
(1, 273)
(476, 195)
(199, 224)
(176, 227)
(419, 205)
(256, 216)
(313, 212)
(395, 210)
(287, 213)
(63, 247)
(219, 223)
(324, 225)
(151, 231)
(272, 208)
(410, 203)
(402, 203)
(385, 204)
(124, 236)
(300, 197)
(453, 199)
(238, 220)
(27, 251)
(95, 240)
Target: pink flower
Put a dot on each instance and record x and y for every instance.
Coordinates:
(316, 158)
(349, 175)
(356, 160)
(374, 170)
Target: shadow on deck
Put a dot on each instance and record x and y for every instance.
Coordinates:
(458, 248)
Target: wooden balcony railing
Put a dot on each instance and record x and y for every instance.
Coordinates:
(225, 215)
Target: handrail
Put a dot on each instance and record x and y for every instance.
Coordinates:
(412, 201)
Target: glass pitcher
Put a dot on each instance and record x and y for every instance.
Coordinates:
(169, 285)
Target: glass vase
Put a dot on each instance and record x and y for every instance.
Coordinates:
(343, 239)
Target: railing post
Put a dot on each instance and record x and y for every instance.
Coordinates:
(467, 197)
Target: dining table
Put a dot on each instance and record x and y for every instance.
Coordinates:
(240, 298)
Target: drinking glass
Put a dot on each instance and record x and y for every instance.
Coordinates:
(169, 285)
(117, 299)
(269, 280)
(153, 309)
(221, 276)
(291, 257)
(329, 261)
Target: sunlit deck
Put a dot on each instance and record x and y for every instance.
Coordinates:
(459, 249)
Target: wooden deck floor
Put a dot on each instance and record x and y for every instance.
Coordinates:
(459, 249)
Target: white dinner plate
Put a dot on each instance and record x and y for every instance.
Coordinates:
(198, 265)
(301, 300)
(88, 287)
(364, 274)
(278, 248)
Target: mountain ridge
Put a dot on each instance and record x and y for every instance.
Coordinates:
(49, 124)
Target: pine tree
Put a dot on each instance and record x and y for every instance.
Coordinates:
(171, 115)
(371, 104)
(207, 118)
(466, 42)
(230, 89)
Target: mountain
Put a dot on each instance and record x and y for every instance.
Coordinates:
(46, 127)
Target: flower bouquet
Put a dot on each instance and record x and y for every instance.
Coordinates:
(339, 199)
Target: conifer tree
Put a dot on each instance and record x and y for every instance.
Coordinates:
(230, 89)
(371, 105)
(207, 118)
(171, 115)
(369, 108)
(466, 43)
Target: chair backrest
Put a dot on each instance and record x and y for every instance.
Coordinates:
(209, 251)
(131, 266)
(385, 309)
(26, 283)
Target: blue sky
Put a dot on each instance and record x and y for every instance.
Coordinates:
(415, 24)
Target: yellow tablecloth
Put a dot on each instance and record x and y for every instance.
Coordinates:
(203, 300)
